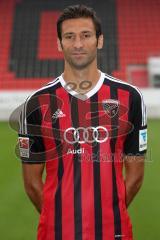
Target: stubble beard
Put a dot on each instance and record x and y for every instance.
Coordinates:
(80, 65)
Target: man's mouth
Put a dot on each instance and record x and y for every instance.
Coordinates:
(78, 53)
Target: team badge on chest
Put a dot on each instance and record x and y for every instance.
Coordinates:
(111, 107)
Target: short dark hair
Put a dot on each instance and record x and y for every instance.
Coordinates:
(78, 11)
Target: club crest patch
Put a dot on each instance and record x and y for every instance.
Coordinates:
(111, 107)
(24, 146)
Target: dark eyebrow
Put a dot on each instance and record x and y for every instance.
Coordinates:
(86, 31)
(70, 33)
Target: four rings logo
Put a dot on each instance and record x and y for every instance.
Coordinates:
(86, 135)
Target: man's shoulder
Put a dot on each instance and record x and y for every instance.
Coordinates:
(46, 89)
(120, 84)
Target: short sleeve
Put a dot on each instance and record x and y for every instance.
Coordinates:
(31, 145)
(136, 140)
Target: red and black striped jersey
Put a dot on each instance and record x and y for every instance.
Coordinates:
(82, 139)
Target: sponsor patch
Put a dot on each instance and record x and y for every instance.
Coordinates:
(24, 146)
(110, 107)
(142, 140)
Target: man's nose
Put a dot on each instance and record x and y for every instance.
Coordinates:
(78, 42)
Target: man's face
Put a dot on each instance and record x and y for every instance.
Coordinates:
(79, 43)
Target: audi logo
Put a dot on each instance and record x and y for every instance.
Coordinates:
(86, 135)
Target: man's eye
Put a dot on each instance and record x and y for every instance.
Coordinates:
(68, 37)
(87, 35)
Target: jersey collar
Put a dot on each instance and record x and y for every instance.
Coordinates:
(86, 95)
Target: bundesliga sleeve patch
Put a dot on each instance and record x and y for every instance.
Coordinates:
(142, 140)
(24, 146)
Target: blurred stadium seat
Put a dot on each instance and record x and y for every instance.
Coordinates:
(28, 28)
(29, 56)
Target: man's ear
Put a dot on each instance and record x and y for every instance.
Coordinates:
(100, 42)
(59, 45)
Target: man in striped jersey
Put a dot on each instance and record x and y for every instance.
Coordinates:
(83, 128)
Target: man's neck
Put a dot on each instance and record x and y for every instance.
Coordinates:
(84, 80)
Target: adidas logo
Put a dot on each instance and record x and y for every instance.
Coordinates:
(58, 114)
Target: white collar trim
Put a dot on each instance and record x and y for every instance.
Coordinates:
(86, 95)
